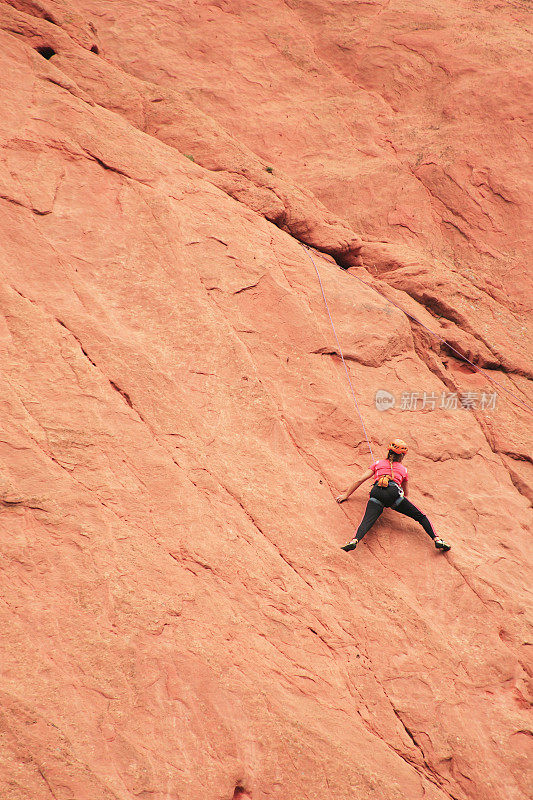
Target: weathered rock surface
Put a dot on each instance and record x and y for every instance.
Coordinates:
(178, 619)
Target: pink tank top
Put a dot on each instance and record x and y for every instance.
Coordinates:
(382, 467)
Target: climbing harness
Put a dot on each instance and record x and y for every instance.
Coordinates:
(384, 481)
(340, 350)
(527, 406)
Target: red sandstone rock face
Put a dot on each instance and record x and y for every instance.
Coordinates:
(178, 618)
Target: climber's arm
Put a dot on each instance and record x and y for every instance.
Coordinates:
(355, 485)
(405, 487)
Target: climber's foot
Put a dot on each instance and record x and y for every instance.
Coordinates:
(440, 544)
(350, 545)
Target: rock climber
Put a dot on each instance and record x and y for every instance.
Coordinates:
(389, 491)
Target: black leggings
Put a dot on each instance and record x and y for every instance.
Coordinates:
(391, 497)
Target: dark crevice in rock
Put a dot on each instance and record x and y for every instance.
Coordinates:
(240, 794)
(115, 386)
(20, 504)
(78, 341)
(15, 202)
(517, 456)
(124, 394)
(343, 260)
(246, 288)
(46, 52)
(328, 351)
(107, 166)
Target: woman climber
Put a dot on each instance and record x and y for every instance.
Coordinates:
(389, 491)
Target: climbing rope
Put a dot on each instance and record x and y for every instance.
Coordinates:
(340, 350)
(436, 335)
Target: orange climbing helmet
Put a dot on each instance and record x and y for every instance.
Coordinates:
(398, 446)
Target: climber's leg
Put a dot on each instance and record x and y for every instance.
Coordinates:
(374, 509)
(410, 510)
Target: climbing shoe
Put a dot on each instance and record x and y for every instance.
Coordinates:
(350, 545)
(440, 544)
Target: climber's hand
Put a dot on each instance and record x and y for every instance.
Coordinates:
(341, 498)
